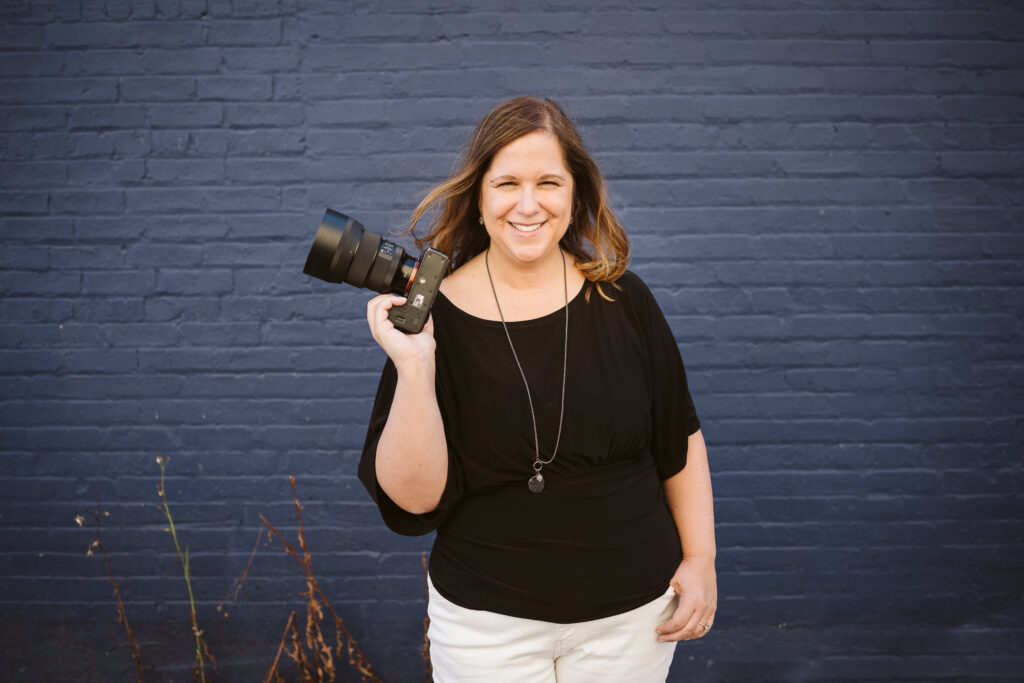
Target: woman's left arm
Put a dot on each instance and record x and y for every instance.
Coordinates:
(688, 494)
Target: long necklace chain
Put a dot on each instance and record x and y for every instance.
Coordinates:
(536, 482)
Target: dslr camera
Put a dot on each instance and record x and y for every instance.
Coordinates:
(344, 251)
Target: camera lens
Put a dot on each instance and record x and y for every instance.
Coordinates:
(344, 251)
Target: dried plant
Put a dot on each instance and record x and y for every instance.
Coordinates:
(122, 616)
(319, 665)
(272, 674)
(236, 587)
(198, 669)
(309, 649)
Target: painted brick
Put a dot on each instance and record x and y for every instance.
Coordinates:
(136, 34)
(193, 115)
(259, 32)
(260, 141)
(164, 256)
(155, 89)
(288, 87)
(235, 88)
(116, 282)
(15, 64)
(104, 117)
(185, 171)
(87, 202)
(35, 229)
(102, 62)
(180, 282)
(28, 175)
(188, 229)
(194, 61)
(22, 91)
(86, 258)
(32, 118)
(263, 114)
(173, 143)
(261, 60)
(131, 145)
(108, 229)
(159, 200)
(106, 173)
(17, 35)
(267, 171)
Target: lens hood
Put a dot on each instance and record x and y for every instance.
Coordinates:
(333, 247)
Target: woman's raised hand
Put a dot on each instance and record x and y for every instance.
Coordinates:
(402, 348)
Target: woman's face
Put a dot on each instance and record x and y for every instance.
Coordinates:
(526, 199)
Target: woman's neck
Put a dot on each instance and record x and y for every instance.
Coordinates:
(526, 277)
(524, 293)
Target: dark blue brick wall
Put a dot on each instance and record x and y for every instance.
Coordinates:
(826, 198)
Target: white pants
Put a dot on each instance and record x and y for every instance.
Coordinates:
(475, 645)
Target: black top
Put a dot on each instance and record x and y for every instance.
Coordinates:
(599, 540)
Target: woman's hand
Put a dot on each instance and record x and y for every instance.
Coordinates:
(402, 348)
(696, 585)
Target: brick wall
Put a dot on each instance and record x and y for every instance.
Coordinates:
(824, 196)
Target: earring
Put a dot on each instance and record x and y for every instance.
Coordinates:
(481, 219)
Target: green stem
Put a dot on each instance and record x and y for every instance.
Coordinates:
(183, 558)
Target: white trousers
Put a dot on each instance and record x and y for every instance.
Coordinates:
(475, 645)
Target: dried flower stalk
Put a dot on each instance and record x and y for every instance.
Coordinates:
(122, 616)
(316, 600)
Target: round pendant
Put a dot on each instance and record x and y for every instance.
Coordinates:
(536, 483)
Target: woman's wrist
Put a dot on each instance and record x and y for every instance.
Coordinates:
(703, 559)
(706, 555)
(416, 368)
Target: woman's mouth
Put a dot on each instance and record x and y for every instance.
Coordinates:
(526, 227)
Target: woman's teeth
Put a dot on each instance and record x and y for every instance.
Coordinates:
(524, 228)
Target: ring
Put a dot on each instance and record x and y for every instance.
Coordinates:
(706, 627)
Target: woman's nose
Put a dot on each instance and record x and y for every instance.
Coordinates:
(527, 201)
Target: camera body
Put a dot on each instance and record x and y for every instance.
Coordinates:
(344, 251)
(412, 315)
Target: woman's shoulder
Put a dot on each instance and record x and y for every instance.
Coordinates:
(631, 281)
(632, 287)
(633, 298)
(465, 290)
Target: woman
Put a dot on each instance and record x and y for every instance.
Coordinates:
(541, 423)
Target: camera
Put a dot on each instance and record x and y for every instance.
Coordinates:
(344, 251)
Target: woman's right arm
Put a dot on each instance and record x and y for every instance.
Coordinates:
(412, 453)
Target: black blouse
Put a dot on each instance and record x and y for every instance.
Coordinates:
(599, 540)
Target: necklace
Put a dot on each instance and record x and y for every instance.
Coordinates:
(536, 483)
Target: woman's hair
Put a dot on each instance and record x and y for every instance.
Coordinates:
(595, 239)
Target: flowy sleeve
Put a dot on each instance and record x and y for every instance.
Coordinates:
(673, 415)
(395, 517)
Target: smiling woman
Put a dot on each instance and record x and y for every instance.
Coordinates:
(526, 201)
(547, 435)
(595, 239)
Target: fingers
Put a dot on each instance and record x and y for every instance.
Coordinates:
(377, 308)
(687, 623)
(377, 313)
(673, 628)
(402, 348)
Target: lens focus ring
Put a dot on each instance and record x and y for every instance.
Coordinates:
(366, 251)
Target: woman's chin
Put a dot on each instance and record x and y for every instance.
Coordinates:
(530, 254)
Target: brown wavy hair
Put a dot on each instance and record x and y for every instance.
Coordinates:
(595, 239)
